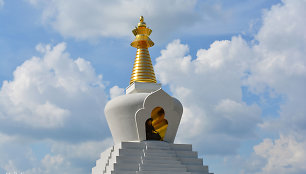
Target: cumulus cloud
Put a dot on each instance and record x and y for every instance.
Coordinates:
(70, 158)
(94, 18)
(284, 155)
(85, 151)
(16, 155)
(210, 85)
(280, 64)
(54, 104)
(115, 91)
(29, 156)
(97, 18)
(210, 90)
(54, 96)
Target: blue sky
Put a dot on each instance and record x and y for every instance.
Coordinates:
(238, 67)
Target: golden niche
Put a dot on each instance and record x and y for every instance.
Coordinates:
(156, 126)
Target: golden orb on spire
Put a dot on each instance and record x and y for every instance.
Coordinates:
(141, 23)
(143, 70)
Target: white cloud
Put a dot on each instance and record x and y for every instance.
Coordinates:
(86, 151)
(29, 156)
(1, 3)
(99, 18)
(70, 158)
(115, 91)
(284, 155)
(209, 85)
(4, 138)
(53, 164)
(51, 115)
(15, 154)
(51, 161)
(210, 90)
(281, 67)
(280, 63)
(54, 96)
(94, 18)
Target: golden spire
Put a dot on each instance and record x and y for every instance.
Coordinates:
(143, 70)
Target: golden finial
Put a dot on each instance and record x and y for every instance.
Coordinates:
(141, 23)
(143, 70)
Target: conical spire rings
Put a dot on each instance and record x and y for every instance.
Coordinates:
(143, 70)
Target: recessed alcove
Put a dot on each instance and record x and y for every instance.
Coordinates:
(156, 126)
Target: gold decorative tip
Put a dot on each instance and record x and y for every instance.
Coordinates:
(141, 23)
(143, 70)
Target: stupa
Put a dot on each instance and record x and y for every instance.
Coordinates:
(144, 123)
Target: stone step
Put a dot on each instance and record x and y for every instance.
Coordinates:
(160, 161)
(192, 161)
(159, 151)
(156, 144)
(130, 152)
(197, 168)
(166, 165)
(160, 158)
(132, 145)
(186, 154)
(150, 157)
(108, 169)
(162, 167)
(126, 167)
(158, 147)
(101, 162)
(149, 172)
(168, 169)
(123, 172)
(106, 153)
(126, 159)
(161, 172)
(181, 147)
(148, 154)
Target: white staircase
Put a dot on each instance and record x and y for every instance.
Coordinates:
(150, 157)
